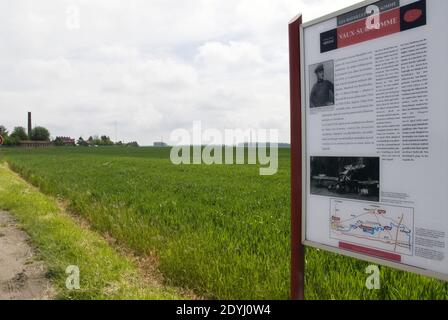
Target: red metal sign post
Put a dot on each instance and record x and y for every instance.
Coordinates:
(297, 249)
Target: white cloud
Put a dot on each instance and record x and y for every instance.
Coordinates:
(235, 54)
(149, 66)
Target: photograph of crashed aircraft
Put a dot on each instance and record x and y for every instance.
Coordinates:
(346, 177)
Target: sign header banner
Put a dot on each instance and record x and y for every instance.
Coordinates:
(353, 27)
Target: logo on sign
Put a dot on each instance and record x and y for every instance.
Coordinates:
(412, 15)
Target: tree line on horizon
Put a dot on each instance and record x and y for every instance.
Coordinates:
(43, 134)
(19, 134)
(102, 141)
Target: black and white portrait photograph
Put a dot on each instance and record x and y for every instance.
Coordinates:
(346, 177)
(322, 84)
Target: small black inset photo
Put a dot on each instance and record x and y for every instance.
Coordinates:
(322, 84)
(346, 177)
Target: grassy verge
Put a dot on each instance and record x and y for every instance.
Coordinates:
(61, 242)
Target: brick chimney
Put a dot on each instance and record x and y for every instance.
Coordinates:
(29, 124)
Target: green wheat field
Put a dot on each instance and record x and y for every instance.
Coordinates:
(222, 231)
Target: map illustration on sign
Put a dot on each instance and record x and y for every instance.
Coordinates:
(381, 227)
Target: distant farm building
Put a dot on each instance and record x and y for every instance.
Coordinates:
(67, 141)
(36, 144)
(160, 144)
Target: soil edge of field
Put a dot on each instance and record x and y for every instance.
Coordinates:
(38, 215)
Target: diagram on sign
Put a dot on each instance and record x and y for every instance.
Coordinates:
(383, 227)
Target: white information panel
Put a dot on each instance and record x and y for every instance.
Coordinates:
(375, 100)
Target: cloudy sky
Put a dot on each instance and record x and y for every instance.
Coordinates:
(142, 68)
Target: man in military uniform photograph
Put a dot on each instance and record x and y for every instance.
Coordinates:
(322, 94)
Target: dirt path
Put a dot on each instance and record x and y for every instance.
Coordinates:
(21, 276)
